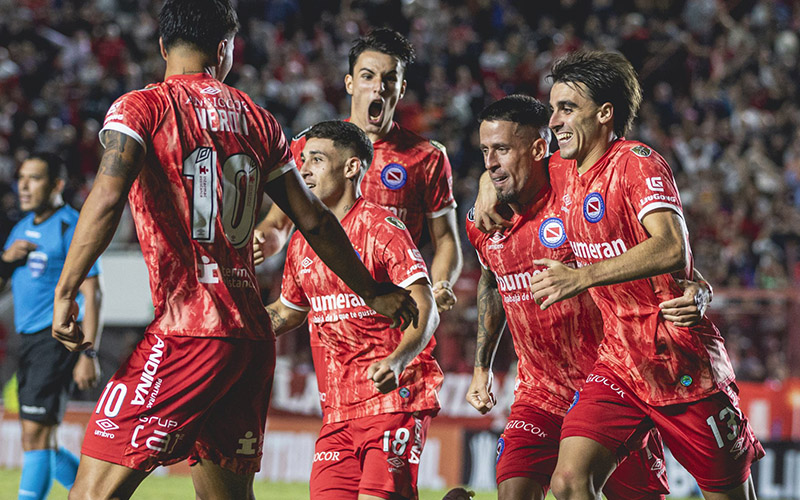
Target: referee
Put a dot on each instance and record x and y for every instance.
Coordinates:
(32, 259)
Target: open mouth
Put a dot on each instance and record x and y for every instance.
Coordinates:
(499, 179)
(375, 111)
(564, 137)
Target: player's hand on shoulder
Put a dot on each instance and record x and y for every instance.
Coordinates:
(18, 250)
(86, 372)
(385, 374)
(65, 325)
(396, 304)
(444, 296)
(479, 393)
(689, 308)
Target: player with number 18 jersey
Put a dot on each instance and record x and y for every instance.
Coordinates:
(209, 151)
(346, 338)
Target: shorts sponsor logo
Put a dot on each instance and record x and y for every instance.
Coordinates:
(210, 272)
(552, 233)
(37, 263)
(107, 424)
(599, 379)
(326, 456)
(527, 427)
(501, 445)
(149, 372)
(159, 441)
(394, 176)
(161, 422)
(594, 207)
(246, 444)
(33, 410)
(416, 448)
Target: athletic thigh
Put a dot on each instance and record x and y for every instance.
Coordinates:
(711, 438)
(336, 471)
(528, 446)
(642, 475)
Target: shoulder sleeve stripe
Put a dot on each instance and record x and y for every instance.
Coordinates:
(280, 171)
(291, 305)
(414, 277)
(653, 206)
(122, 129)
(439, 213)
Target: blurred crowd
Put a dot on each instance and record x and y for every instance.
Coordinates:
(721, 102)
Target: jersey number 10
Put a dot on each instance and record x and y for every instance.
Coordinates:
(240, 182)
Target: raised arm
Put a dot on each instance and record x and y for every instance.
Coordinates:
(283, 318)
(329, 241)
(119, 167)
(447, 259)
(663, 252)
(488, 215)
(491, 321)
(271, 234)
(387, 372)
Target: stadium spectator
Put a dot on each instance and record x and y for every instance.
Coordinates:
(172, 149)
(32, 260)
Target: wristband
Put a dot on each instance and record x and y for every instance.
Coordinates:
(90, 353)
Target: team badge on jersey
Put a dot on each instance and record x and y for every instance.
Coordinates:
(394, 176)
(642, 151)
(552, 233)
(395, 222)
(594, 207)
(37, 263)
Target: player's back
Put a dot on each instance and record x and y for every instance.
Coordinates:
(209, 152)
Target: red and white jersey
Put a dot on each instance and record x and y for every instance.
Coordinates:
(557, 347)
(347, 336)
(603, 209)
(209, 151)
(410, 176)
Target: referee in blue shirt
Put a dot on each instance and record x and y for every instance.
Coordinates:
(32, 259)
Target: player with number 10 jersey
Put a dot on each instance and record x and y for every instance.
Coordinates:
(204, 142)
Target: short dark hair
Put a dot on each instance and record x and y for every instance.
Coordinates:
(344, 135)
(516, 108)
(386, 41)
(56, 168)
(608, 77)
(202, 23)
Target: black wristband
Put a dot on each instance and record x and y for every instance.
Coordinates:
(7, 268)
(90, 353)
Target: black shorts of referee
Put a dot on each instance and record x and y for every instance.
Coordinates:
(44, 377)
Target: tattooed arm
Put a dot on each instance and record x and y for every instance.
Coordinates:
(491, 321)
(284, 319)
(119, 167)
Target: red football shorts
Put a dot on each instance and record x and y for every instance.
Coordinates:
(528, 448)
(711, 437)
(176, 397)
(377, 455)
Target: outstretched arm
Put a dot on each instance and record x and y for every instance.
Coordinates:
(119, 167)
(662, 253)
(283, 318)
(327, 238)
(386, 373)
(447, 259)
(271, 234)
(491, 321)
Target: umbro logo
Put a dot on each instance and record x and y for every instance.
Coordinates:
(306, 262)
(210, 91)
(107, 424)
